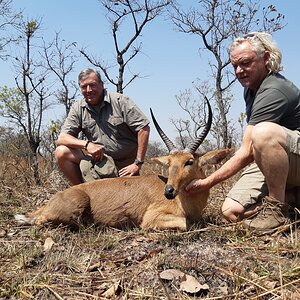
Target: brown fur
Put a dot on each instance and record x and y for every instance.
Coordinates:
(138, 201)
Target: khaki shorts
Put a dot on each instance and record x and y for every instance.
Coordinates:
(252, 187)
(91, 170)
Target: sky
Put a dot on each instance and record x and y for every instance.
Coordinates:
(170, 61)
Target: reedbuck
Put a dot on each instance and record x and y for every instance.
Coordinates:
(150, 201)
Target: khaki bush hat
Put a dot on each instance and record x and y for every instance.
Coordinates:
(91, 170)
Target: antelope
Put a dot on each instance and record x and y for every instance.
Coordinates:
(147, 201)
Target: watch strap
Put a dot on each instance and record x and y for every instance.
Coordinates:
(138, 162)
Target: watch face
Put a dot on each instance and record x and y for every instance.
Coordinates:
(138, 162)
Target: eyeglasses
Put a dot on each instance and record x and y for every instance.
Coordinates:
(262, 37)
(251, 35)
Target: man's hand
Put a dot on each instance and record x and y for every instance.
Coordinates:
(130, 170)
(197, 185)
(96, 151)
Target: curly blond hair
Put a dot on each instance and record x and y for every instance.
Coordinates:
(261, 42)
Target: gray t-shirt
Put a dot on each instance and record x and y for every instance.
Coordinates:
(115, 125)
(277, 100)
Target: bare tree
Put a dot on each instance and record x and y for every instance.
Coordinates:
(48, 142)
(155, 149)
(12, 143)
(191, 104)
(136, 14)
(60, 60)
(14, 148)
(9, 20)
(25, 104)
(217, 22)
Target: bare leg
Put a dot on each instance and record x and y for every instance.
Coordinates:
(269, 142)
(233, 211)
(68, 161)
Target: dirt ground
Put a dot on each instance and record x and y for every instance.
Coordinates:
(212, 260)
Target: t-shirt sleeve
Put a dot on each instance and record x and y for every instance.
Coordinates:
(269, 105)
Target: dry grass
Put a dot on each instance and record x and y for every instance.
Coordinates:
(85, 264)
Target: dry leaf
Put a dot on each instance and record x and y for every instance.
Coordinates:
(170, 274)
(270, 284)
(224, 290)
(113, 290)
(94, 267)
(188, 284)
(253, 275)
(48, 244)
(191, 285)
(3, 233)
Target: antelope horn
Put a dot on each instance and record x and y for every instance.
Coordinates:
(165, 139)
(199, 140)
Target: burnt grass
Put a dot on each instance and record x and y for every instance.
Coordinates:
(105, 263)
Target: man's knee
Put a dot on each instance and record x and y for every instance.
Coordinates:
(232, 210)
(64, 154)
(61, 152)
(268, 131)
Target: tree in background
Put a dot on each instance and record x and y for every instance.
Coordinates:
(136, 13)
(60, 59)
(196, 110)
(25, 105)
(217, 22)
(155, 149)
(13, 150)
(9, 20)
(12, 143)
(40, 68)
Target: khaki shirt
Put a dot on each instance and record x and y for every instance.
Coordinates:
(115, 126)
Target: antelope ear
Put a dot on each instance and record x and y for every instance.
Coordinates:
(216, 156)
(162, 160)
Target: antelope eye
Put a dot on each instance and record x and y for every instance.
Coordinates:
(189, 162)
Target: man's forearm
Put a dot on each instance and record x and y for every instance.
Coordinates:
(70, 141)
(143, 138)
(230, 168)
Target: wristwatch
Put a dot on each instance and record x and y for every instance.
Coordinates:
(86, 145)
(138, 162)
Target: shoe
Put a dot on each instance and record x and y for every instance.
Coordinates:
(270, 215)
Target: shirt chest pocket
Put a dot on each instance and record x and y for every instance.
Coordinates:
(115, 121)
(89, 124)
(91, 129)
(116, 126)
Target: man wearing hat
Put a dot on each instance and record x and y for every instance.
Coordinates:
(117, 134)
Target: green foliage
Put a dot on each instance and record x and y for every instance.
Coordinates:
(54, 127)
(12, 104)
(31, 27)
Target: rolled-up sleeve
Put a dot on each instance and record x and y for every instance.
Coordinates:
(133, 116)
(72, 124)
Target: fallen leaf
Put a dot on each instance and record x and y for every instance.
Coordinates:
(48, 244)
(115, 289)
(191, 285)
(94, 267)
(224, 290)
(270, 284)
(170, 274)
(3, 233)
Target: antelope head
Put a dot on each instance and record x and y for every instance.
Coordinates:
(184, 165)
